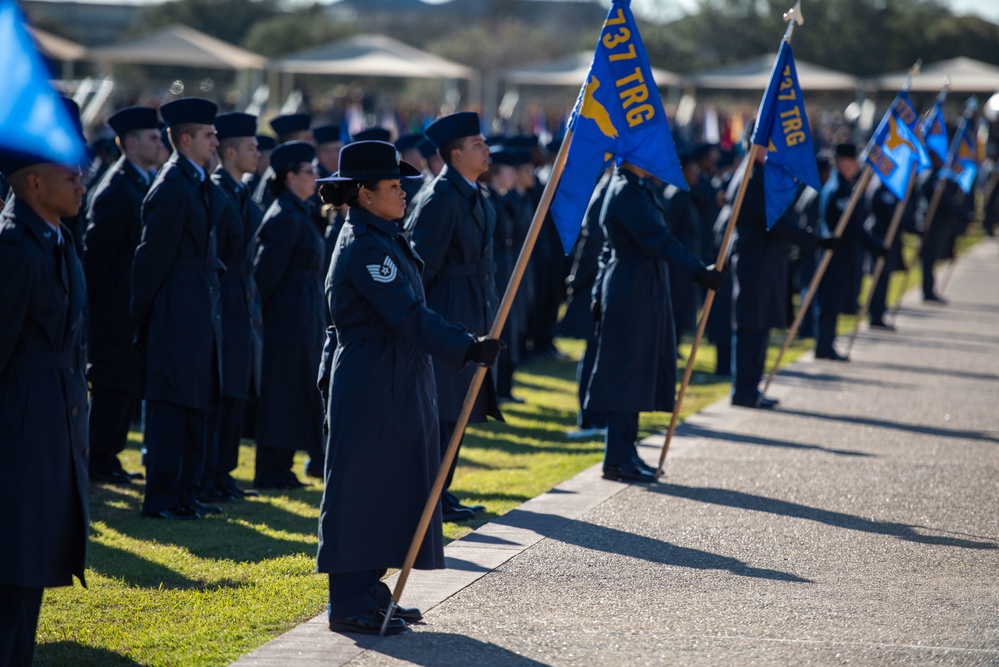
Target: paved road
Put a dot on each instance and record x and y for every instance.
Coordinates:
(857, 524)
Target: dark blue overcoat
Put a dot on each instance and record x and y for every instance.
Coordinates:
(452, 226)
(684, 222)
(578, 321)
(840, 284)
(43, 405)
(175, 287)
(288, 271)
(242, 314)
(113, 232)
(635, 368)
(383, 450)
(761, 260)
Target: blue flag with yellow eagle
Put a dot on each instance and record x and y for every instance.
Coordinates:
(34, 122)
(964, 167)
(895, 152)
(618, 114)
(782, 127)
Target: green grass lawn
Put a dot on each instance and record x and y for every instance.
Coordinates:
(207, 592)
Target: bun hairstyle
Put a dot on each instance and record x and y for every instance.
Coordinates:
(340, 193)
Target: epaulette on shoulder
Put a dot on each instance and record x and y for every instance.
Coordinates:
(442, 185)
(10, 231)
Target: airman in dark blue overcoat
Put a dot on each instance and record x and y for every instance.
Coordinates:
(288, 268)
(242, 317)
(760, 294)
(635, 367)
(113, 233)
(952, 215)
(175, 310)
(383, 449)
(840, 285)
(882, 206)
(452, 227)
(43, 398)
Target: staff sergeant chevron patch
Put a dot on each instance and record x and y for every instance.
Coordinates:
(384, 272)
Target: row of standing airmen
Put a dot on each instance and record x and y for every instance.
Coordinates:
(195, 281)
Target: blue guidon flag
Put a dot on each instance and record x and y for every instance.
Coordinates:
(895, 152)
(782, 128)
(964, 167)
(934, 130)
(618, 116)
(33, 120)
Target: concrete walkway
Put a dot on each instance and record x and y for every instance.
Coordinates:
(857, 524)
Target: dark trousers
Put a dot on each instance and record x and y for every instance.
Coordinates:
(504, 373)
(175, 455)
(19, 607)
(587, 418)
(446, 428)
(719, 328)
(622, 431)
(826, 333)
(222, 451)
(750, 362)
(879, 298)
(273, 466)
(110, 415)
(353, 593)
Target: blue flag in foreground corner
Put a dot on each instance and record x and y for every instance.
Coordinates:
(782, 127)
(895, 152)
(964, 168)
(935, 131)
(618, 115)
(33, 120)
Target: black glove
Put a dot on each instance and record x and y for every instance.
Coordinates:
(829, 242)
(710, 278)
(879, 251)
(483, 350)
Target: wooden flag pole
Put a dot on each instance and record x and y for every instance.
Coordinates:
(879, 265)
(480, 373)
(931, 210)
(709, 300)
(858, 191)
(792, 17)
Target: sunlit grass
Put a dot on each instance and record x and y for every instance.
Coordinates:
(206, 592)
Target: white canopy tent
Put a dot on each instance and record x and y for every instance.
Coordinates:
(571, 70)
(754, 74)
(965, 75)
(55, 47)
(371, 55)
(180, 46)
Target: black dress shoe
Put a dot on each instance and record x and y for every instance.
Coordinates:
(408, 614)
(934, 299)
(644, 466)
(882, 325)
(628, 472)
(110, 477)
(369, 623)
(293, 482)
(204, 510)
(175, 514)
(456, 515)
(765, 404)
(831, 355)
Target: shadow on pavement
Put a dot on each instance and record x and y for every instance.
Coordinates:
(946, 372)
(714, 434)
(748, 501)
(441, 649)
(610, 540)
(921, 429)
